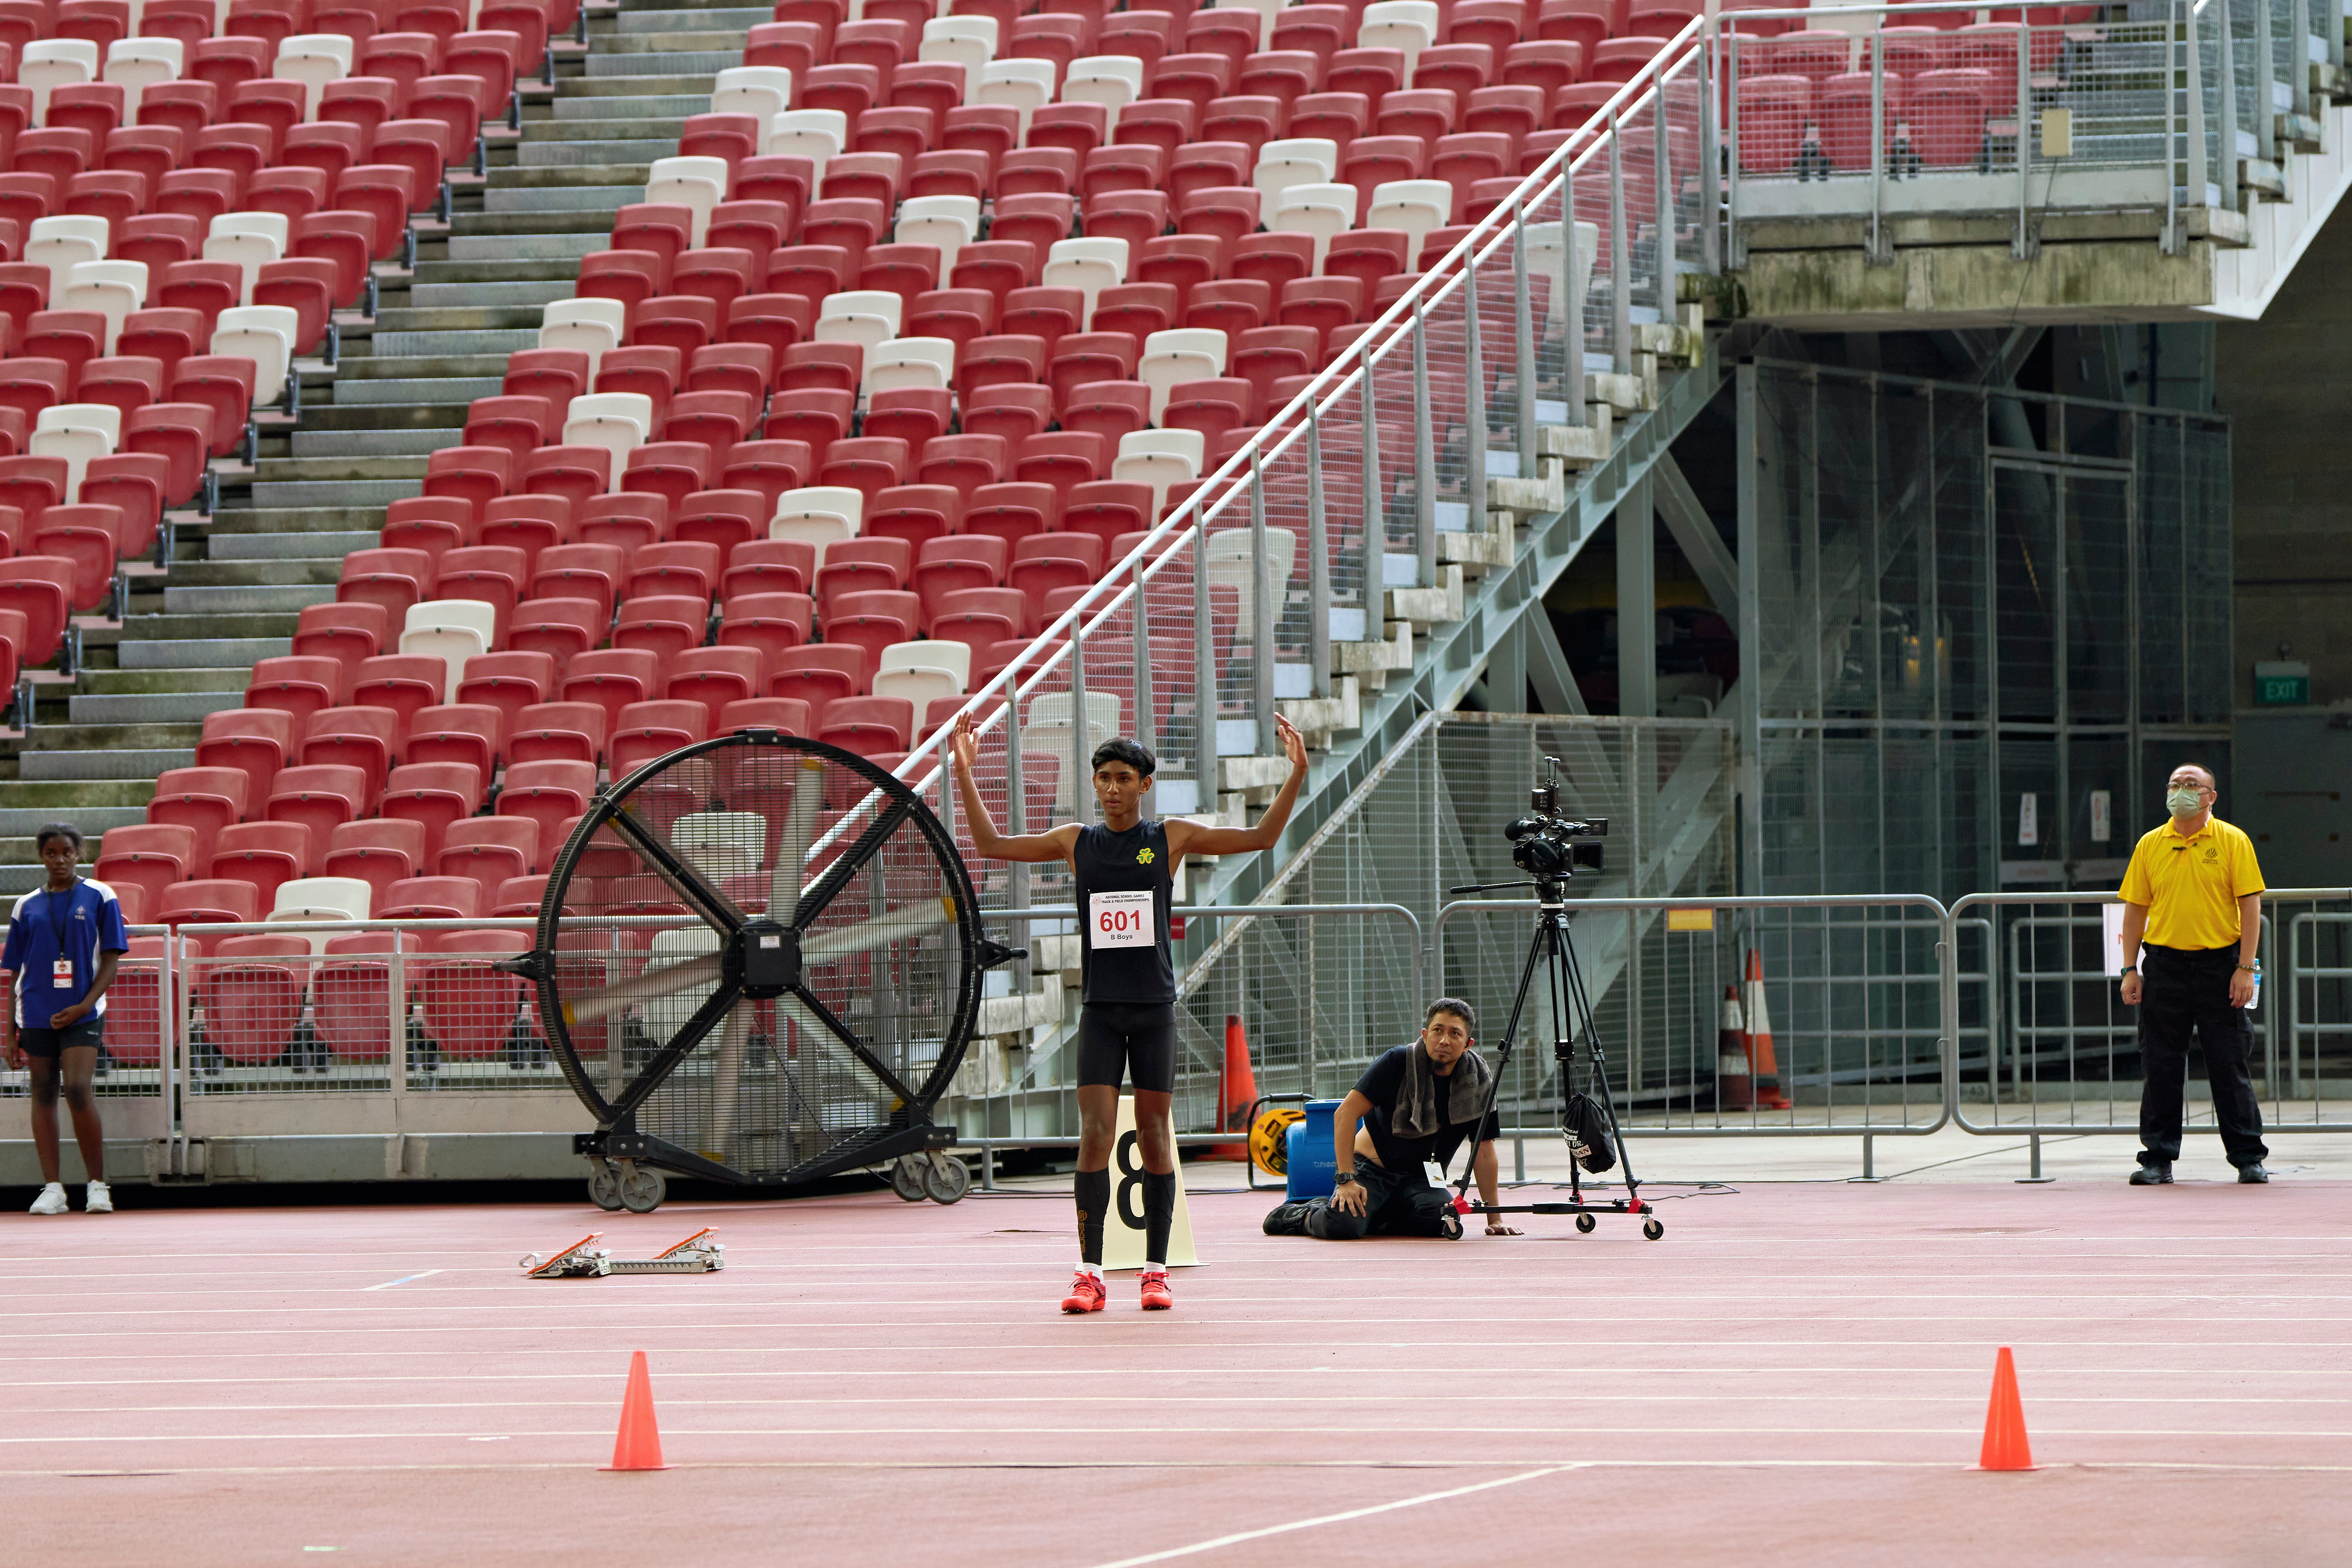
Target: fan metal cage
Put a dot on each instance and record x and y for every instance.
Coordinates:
(758, 960)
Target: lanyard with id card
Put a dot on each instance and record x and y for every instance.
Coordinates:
(61, 973)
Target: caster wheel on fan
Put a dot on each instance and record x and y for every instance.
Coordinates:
(1654, 1227)
(908, 1173)
(945, 1179)
(642, 1190)
(604, 1185)
(1586, 1223)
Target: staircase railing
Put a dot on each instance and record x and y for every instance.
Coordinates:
(1192, 639)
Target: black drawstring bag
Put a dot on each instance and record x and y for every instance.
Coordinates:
(1587, 1127)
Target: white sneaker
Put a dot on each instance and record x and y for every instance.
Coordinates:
(51, 1201)
(101, 1199)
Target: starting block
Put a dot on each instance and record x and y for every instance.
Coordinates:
(700, 1253)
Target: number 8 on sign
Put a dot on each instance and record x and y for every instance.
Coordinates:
(1120, 919)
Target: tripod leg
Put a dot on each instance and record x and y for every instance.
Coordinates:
(1561, 972)
(1599, 1071)
(1502, 1057)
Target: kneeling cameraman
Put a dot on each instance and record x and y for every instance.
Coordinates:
(1416, 1104)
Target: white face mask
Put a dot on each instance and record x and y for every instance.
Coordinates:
(2183, 801)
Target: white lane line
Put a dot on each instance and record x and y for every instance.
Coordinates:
(2214, 1434)
(404, 1280)
(1238, 1538)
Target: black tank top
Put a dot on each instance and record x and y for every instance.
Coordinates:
(1135, 861)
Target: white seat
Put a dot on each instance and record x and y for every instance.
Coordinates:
(819, 514)
(720, 843)
(1407, 25)
(251, 239)
(1415, 207)
(1544, 261)
(755, 91)
(1021, 86)
(920, 684)
(667, 1014)
(113, 288)
(816, 134)
(78, 433)
(590, 326)
(136, 64)
(264, 334)
(1268, 10)
(308, 900)
(1181, 354)
(924, 363)
(948, 222)
(619, 421)
(1046, 732)
(955, 658)
(1112, 80)
(1159, 459)
(1090, 266)
(1322, 211)
(63, 243)
(314, 59)
(966, 41)
(697, 183)
(1295, 161)
(866, 317)
(451, 630)
(52, 63)
(1229, 567)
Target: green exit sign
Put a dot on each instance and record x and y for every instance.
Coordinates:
(2282, 681)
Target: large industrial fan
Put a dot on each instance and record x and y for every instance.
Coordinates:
(758, 961)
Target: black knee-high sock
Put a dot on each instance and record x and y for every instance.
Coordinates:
(1158, 1211)
(1093, 1189)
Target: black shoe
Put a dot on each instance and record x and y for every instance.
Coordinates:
(2156, 1175)
(1288, 1219)
(2252, 1175)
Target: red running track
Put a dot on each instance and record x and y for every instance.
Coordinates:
(1794, 1374)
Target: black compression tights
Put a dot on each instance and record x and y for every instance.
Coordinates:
(1159, 1210)
(1093, 1191)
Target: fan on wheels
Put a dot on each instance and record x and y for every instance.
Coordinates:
(758, 960)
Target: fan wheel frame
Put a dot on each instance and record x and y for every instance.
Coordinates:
(908, 1128)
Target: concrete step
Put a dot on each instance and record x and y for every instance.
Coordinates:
(454, 319)
(649, 125)
(634, 84)
(346, 466)
(284, 598)
(600, 110)
(537, 292)
(32, 794)
(156, 682)
(361, 370)
(604, 200)
(290, 546)
(117, 762)
(427, 436)
(511, 269)
(201, 653)
(390, 395)
(18, 822)
(339, 492)
(295, 520)
(314, 565)
(573, 176)
(630, 25)
(665, 66)
(181, 707)
(432, 345)
(90, 737)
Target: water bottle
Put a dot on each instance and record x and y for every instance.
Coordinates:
(2256, 999)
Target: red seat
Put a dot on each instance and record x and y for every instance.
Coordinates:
(367, 739)
(469, 733)
(612, 678)
(433, 795)
(819, 672)
(648, 730)
(508, 681)
(471, 1009)
(558, 731)
(264, 854)
(783, 713)
(715, 677)
(298, 686)
(489, 851)
(771, 623)
(320, 795)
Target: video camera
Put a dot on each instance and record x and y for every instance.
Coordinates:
(1548, 845)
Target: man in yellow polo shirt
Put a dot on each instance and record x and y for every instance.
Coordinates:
(2192, 920)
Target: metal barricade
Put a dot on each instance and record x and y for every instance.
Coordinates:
(135, 1080)
(1318, 991)
(2052, 1048)
(1856, 990)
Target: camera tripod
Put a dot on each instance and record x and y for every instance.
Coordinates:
(1552, 949)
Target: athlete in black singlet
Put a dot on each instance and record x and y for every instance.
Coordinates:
(1126, 870)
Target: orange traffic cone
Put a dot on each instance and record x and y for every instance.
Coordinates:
(1735, 1083)
(1239, 1090)
(1763, 1067)
(637, 1446)
(2005, 1447)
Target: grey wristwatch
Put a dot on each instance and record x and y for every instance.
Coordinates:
(1345, 1178)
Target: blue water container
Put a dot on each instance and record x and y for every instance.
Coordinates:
(1311, 1170)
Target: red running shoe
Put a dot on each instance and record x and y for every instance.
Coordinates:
(1086, 1293)
(1156, 1295)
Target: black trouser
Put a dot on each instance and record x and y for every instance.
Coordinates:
(2183, 990)
(1396, 1203)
